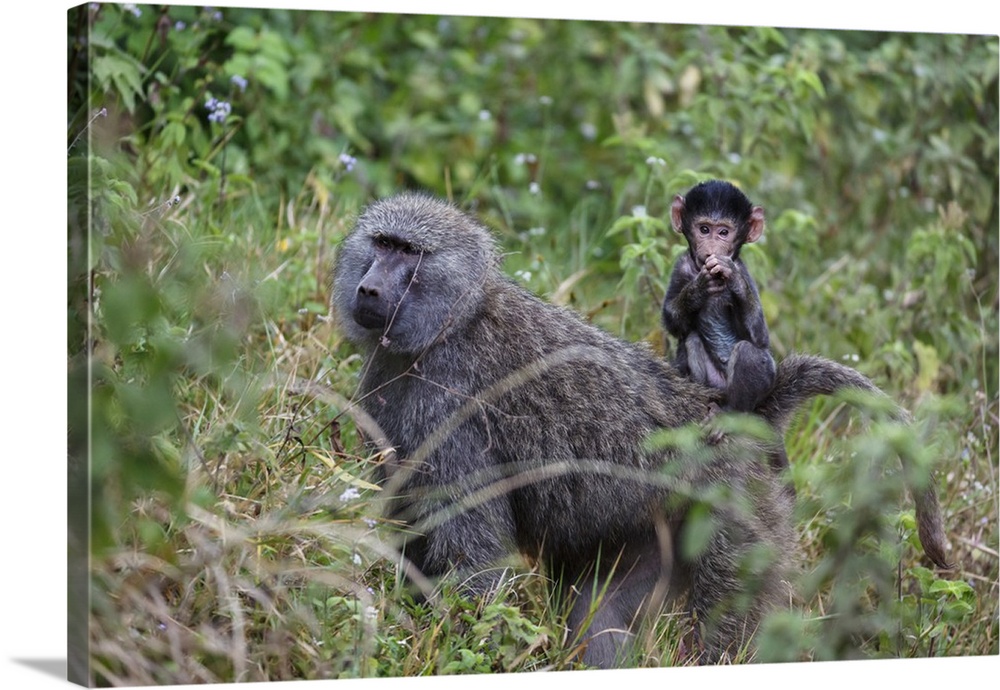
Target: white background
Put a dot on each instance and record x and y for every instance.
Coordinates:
(33, 154)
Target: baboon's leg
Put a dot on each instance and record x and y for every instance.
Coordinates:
(734, 583)
(608, 605)
(749, 376)
(703, 369)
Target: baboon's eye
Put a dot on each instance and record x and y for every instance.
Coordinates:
(703, 229)
(390, 243)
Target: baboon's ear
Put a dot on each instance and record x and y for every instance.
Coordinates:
(677, 214)
(756, 224)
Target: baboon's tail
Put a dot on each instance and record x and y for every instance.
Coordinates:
(799, 378)
(802, 377)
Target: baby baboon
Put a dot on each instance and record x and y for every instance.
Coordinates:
(712, 305)
(517, 426)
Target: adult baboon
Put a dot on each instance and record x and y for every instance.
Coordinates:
(517, 426)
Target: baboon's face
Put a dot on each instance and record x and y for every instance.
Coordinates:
(392, 274)
(411, 270)
(716, 219)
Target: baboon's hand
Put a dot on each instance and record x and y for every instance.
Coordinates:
(720, 266)
(708, 278)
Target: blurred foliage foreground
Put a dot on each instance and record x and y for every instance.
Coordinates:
(215, 158)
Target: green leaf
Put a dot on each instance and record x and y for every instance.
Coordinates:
(812, 81)
(173, 134)
(700, 527)
(243, 38)
(121, 72)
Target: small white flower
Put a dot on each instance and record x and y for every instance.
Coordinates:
(356, 559)
(349, 494)
(534, 188)
(484, 115)
(639, 211)
(220, 110)
(348, 161)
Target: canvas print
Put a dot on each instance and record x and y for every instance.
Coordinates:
(417, 345)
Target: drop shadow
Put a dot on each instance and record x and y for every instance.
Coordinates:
(50, 667)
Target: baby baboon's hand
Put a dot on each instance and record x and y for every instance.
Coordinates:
(720, 266)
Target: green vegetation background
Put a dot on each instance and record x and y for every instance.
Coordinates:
(217, 157)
